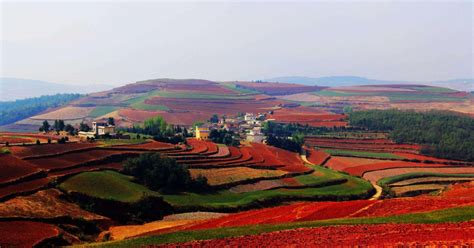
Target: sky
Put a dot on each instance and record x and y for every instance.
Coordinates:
(116, 43)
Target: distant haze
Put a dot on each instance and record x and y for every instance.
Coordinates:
(117, 43)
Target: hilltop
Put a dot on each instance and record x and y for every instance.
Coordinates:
(186, 101)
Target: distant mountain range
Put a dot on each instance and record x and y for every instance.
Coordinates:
(16, 88)
(336, 81)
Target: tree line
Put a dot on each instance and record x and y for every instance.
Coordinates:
(444, 134)
(13, 111)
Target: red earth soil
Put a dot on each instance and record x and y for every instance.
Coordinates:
(295, 212)
(13, 168)
(291, 160)
(72, 171)
(419, 157)
(269, 158)
(48, 149)
(13, 140)
(456, 196)
(362, 144)
(23, 187)
(25, 233)
(277, 88)
(197, 145)
(412, 235)
(32, 135)
(361, 169)
(73, 159)
(151, 145)
(317, 157)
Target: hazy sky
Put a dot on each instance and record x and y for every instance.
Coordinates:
(104, 42)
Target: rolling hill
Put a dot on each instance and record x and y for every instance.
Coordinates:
(185, 101)
(16, 88)
(466, 84)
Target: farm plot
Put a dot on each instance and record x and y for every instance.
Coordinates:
(23, 188)
(12, 233)
(15, 139)
(295, 212)
(49, 149)
(375, 176)
(106, 185)
(417, 189)
(360, 170)
(353, 188)
(14, 169)
(447, 234)
(433, 179)
(216, 177)
(317, 157)
(46, 204)
(69, 160)
(398, 226)
(343, 163)
(65, 113)
(363, 154)
(363, 144)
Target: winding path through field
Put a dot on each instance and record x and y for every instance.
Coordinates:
(378, 189)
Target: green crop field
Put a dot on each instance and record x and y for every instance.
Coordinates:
(348, 188)
(239, 90)
(144, 106)
(102, 110)
(321, 176)
(336, 152)
(108, 185)
(440, 216)
(397, 178)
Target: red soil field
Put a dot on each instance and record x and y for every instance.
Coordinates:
(24, 187)
(419, 157)
(411, 205)
(48, 149)
(292, 161)
(13, 140)
(13, 168)
(304, 211)
(277, 88)
(456, 196)
(211, 148)
(394, 235)
(374, 176)
(105, 166)
(149, 145)
(198, 146)
(222, 153)
(361, 169)
(25, 233)
(211, 88)
(136, 115)
(362, 144)
(269, 158)
(185, 111)
(73, 159)
(31, 135)
(349, 141)
(317, 157)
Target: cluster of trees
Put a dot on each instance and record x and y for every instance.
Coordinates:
(163, 174)
(58, 126)
(224, 137)
(13, 111)
(288, 130)
(293, 143)
(160, 130)
(446, 135)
